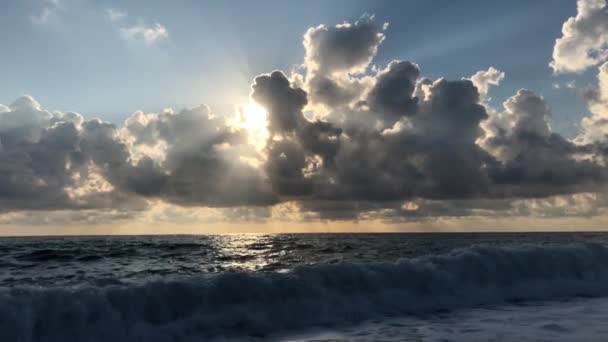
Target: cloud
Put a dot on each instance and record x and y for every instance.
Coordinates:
(148, 34)
(344, 142)
(58, 160)
(392, 94)
(283, 102)
(43, 161)
(334, 52)
(347, 47)
(536, 162)
(49, 12)
(584, 40)
(483, 79)
(116, 15)
(201, 162)
(595, 127)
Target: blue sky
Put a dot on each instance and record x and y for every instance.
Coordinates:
(80, 61)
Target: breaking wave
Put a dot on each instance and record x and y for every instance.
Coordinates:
(242, 304)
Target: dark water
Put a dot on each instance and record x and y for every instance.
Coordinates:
(61, 261)
(254, 287)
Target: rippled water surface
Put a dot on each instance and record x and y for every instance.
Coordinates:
(50, 261)
(360, 287)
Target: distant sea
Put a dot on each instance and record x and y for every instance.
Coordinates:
(303, 287)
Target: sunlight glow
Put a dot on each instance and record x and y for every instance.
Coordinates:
(254, 119)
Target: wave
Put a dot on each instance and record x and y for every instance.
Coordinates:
(242, 304)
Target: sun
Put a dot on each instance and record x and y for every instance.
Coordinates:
(254, 119)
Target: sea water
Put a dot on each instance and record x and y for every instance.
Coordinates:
(299, 287)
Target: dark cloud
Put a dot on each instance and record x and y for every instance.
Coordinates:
(37, 160)
(284, 103)
(392, 95)
(285, 167)
(321, 138)
(330, 92)
(46, 161)
(535, 161)
(442, 147)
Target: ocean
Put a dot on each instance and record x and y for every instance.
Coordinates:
(305, 287)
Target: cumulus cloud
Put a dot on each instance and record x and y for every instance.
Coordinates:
(595, 127)
(62, 161)
(149, 34)
(344, 141)
(537, 162)
(283, 102)
(393, 91)
(333, 53)
(42, 159)
(483, 79)
(200, 164)
(347, 47)
(584, 40)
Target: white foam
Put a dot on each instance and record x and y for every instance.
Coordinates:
(572, 320)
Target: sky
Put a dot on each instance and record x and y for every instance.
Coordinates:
(203, 116)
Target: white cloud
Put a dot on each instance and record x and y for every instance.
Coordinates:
(140, 31)
(148, 34)
(565, 85)
(343, 48)
(584, 41)
(48, 12)
(483, 79)
(116, 15)
(595, 127)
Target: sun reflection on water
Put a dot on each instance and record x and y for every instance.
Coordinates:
(250, 252)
